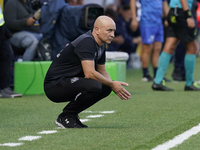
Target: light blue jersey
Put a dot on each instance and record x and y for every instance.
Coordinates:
(151, 12)
(174, 3)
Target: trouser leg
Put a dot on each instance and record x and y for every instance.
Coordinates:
(6, 56)
(81, 92)
(104, 93)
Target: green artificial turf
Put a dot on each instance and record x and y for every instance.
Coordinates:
(148, 119)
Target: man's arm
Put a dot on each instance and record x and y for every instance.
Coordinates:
(134, 22)
(102, 76)
(165, 8)
(102, 70)
(184, 4)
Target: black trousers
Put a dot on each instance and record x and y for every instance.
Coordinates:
(80, 92)
(6, 60)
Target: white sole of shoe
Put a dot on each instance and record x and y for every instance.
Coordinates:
(59, 124)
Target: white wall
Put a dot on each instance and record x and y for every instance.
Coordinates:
(100, 2)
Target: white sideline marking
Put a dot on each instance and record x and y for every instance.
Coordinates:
(107, 112)
(29, 138)
(47, 132)
(11, 144)
(178, 139)
(84, 120)
(94, 116)
(103, 112)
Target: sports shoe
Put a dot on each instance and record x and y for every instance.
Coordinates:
(177, 76)
(68, 122)
(80, 123)
(193, 87)
(5, 95)
(8, 93)
(161, 87)
(147, 78)
(166, 80)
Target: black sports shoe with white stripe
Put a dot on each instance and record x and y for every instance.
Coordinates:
(67, 122)
(80, 123)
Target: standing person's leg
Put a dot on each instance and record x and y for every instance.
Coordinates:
(155, 55)
(147, 35)
(179, 69)
(145, 55)
(163, 63)
(189, 62)
(6, 56)
(6, 60)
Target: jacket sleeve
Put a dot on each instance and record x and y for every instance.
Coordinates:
(10, 16)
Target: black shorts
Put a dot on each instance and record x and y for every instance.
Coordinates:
(178, 26)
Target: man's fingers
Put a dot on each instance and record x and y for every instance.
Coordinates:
(124, 95)
(124, 84)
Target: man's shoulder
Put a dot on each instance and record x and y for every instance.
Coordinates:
(11, 2)
(82, 37)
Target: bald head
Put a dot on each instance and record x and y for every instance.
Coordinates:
(104, 29)
(102, 21)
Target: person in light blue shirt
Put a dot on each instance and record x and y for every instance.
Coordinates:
(181, 27)
(151, 29)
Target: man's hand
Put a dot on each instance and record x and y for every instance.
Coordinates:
(190, 22)
(30, 21)
(134, 25)
(117, 87)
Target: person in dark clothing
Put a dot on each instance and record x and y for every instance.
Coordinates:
(6, 59)
(24, 27)
(179, 68)
(78, 74)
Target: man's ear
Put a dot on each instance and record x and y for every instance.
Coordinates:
(96, 29)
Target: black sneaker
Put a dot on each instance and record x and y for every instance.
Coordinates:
(176, 75)
(8, 93)
(193, 87)
(80, 123)
(161, 87)
(5, 95)
(67, 122)
(166, 80)
(147, 78)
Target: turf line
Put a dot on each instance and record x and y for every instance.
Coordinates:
(177, 140)
(31, 138)
(47, 132)
(11, 144)
(94, 116)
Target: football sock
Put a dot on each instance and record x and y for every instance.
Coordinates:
(145, 72)
(162, 67)
(189, 63)
(154, 71)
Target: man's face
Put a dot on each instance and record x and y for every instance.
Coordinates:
(107, 33)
